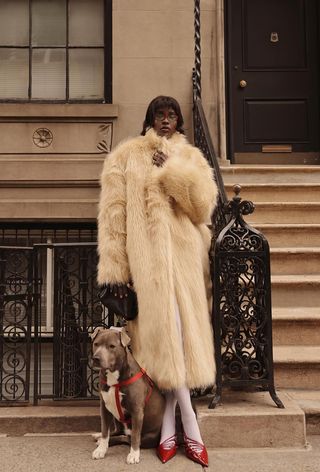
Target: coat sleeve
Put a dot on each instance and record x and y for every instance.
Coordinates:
(113, 266)
(188, 179)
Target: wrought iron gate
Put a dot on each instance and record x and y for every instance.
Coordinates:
(76, 312)
(16, 298)
(48, 307)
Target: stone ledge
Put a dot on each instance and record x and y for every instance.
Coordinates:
(252, 420)
(42, 111)
(18, 421)
(242, 420)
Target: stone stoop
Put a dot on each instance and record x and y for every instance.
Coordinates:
(252, 420)
(249, 420)
(28, 420)
(287, 211)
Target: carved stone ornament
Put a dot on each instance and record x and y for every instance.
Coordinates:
(42, 137)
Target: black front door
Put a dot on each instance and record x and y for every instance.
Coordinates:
(273, 77)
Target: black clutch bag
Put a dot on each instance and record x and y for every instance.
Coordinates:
(127, 306)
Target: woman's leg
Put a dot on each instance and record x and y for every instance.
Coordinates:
(188, 416)
(182, 395)
(194, 447)
(169, 419)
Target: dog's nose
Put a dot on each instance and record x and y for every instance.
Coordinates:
(96, 359)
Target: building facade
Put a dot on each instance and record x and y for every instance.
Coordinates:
(76, 77)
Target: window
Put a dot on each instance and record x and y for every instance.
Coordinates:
(55, 50)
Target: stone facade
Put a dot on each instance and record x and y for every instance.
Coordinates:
(153, 54)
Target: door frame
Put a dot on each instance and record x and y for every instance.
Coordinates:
(229, 132)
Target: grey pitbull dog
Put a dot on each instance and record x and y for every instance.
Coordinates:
(126, 393)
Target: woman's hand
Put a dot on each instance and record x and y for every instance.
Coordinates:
(159, 158)
(120, 290)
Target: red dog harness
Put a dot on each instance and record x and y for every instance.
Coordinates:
(124, 383)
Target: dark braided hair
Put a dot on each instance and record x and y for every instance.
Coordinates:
(159, 103)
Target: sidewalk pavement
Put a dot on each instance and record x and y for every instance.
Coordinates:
(72, 453)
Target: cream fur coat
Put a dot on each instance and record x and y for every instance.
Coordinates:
(151, 228)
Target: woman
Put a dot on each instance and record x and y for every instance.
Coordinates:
(157, 194)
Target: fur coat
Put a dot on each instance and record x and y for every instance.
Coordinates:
(152, 229)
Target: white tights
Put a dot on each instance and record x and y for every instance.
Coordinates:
(188, 417)
(182, 396)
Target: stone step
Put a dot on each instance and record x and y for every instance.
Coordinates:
(55, 208)
(309, 402)
(295, 260)
(220, 427)
(246, 174)
(29, 419)
(270, 192)
(295, 290)
(51, 168)
(285, 212)
(255, 413)
(297, 366)
(296, 326)
(283, 235)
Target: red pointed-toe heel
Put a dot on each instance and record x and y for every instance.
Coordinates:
(167, 449)
(196, 451)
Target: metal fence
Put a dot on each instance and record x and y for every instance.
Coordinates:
(67, 310)
(16, 302)
(48, 308)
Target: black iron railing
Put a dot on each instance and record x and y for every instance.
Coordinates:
(202, 139)
(240, 272)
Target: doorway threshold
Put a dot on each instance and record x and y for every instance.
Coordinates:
(270, 158)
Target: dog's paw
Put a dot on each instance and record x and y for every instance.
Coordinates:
(133, 457)
(101, 450)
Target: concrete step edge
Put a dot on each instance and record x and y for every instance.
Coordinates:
(287, 205)
(300, 315)
(295, 250)
(278, 186)
(274, 168)
(279, 226)
(308, 400)
(297, 355)
(299, 279)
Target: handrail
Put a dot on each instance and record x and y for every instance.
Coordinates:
(202, 140)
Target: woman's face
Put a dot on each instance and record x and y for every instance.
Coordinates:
(165, 122)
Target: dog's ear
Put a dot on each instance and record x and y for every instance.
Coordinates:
(95, 333)
(124, 338)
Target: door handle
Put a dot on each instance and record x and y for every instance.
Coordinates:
(243, 83)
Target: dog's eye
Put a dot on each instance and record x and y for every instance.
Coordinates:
(112, 346)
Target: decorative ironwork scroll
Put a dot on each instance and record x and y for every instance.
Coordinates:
(242, 304)
(15, 323)
(77, 312)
